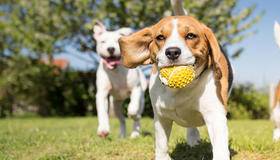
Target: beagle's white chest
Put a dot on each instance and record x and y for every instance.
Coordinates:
(183, 106)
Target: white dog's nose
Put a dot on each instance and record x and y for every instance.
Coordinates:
(173, 53)
(111, 50)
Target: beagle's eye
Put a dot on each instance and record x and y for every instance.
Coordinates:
(190, 36)
(160, 37)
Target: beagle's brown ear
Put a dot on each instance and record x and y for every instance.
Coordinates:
(135, 48)
(221, 66)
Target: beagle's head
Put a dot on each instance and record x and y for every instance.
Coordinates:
(176, 40)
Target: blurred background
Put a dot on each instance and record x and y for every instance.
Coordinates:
(48, 60)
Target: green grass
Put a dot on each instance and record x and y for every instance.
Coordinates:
(75, 138)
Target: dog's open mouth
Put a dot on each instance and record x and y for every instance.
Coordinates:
(112, 62)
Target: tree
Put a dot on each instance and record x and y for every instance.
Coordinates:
(229, 25)
(46, 27)
(30, 31)
(33, 29)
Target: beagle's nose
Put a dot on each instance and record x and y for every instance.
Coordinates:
(172, 53)
(111, 50)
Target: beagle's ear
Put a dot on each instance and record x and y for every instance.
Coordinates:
(98, 29)
(135, 48)
(221, 66)
(125, 31)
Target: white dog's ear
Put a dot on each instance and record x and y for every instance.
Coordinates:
(125, 31)
(98, 29)
(277, 33)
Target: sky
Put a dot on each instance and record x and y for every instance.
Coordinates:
(260, 61)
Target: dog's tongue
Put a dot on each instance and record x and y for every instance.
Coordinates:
(111, 63)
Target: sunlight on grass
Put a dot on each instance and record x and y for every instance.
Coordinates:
(75, 138)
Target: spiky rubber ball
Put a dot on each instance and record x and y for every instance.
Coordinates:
(177, 76)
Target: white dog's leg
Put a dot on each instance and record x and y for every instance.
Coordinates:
(102, 113)
(216, 123)
(193, 136)
(163, 128)
(119, 113)
(136, 128)
(135, 109)
(276, 134)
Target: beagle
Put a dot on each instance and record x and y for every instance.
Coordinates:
(204, 101)
(275, 108)
(275, 94)
(116, 82)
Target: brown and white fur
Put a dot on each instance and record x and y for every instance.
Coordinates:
(183, 40)
(117, 82)
(275, 95)
(275, 110)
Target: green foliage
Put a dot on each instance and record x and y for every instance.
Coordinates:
(32, 30)
(47, 88)
(227, 23)
(43, 26)
(247, 102)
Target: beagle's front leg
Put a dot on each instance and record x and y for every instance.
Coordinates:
(162, 132)
(216, 123)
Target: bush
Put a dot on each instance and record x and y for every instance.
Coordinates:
(33, 86)
(247, 102)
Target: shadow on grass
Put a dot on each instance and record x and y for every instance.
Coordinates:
(146, 133)
(202, 151)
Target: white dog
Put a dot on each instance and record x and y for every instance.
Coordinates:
(275, 95)
(175, 41)
(116, 81)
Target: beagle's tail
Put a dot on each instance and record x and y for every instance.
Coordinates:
(277, 33)
(178, 8)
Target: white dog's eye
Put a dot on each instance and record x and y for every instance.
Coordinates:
(102, 41)
(190, 36)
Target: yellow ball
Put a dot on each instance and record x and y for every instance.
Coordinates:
(177, 76)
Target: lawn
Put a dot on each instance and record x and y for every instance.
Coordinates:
(75, 138)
